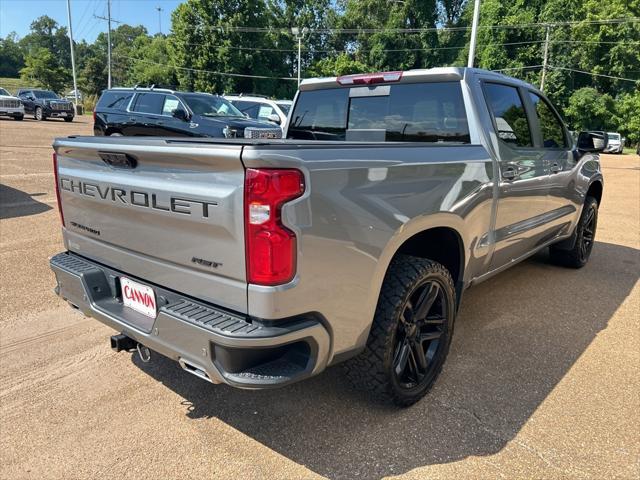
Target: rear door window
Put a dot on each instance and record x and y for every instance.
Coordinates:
(115, 100)
(149, 103)
(414, 112)
(550, 125)
(509, 114)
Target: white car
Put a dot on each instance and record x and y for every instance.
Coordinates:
(616, 143)
(10, 106)
(262, 108)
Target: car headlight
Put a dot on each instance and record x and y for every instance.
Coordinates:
(229, 132)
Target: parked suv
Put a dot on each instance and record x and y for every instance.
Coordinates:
(162, 112)
(43, 104)
(10, 106)
(262, 108)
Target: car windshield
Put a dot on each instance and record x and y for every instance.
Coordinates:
(284, 106)
(613, 136)
(211, 106)
(4, 92)
(44, 94)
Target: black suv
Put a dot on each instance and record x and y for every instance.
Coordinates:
(167, 113)
(43, 104)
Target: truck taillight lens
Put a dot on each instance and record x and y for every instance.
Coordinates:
(55, 177)
(271, 247)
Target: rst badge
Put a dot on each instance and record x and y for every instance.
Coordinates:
(138, 297)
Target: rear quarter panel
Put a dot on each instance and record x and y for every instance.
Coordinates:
(361, 204)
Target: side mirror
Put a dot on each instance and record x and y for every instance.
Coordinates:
(180, 114)
(594, 142)
(274, 117)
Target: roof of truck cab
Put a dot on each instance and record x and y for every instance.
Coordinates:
(414, 76)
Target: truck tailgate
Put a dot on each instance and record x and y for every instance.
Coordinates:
(169, 213)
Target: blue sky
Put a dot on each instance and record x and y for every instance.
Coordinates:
(17, 15)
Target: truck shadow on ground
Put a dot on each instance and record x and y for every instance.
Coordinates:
(517, 336)
(16, 203)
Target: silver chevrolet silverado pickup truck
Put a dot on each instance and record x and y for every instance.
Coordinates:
(259, 263)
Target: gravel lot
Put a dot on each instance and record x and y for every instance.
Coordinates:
(543, 379)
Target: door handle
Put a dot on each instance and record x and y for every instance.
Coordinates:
(555, 168)
(510, 172)
(160, 122)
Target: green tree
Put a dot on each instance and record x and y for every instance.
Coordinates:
(11, 56)
(153, 67)
(93, 76)
(42, 68)
(628, 107)
(201, 41)
(589, 109)
(387, 49)
(46, 33)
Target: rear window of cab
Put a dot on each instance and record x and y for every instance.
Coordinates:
(410, 112)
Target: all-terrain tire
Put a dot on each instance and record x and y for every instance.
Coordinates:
(578, 255)
(373, 369)
(39, 114)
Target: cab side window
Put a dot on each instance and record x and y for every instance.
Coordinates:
(550, 125)
(509, 114)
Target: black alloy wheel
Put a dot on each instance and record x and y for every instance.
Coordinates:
(588, 234)
(577, 254)
(411, 332)
(423, 322)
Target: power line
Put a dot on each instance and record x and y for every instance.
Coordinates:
(518, 68)
(207, 71)
(243, 29)
(636, 80)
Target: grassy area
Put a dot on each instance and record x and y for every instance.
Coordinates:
(629, 151)
(12, 84)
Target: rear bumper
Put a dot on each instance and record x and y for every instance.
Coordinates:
(215, 344)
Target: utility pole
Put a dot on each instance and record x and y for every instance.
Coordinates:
(160, 10)
(109, 42)
(109, 20)
(73, 57)
(545, 58)
(299, 34)
(474, 33)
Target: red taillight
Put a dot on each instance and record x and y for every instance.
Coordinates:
(369, 78)
(271, 247)
(55, 177)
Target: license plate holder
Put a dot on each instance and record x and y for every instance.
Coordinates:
(138, 297)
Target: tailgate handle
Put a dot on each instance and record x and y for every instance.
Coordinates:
(118, 159)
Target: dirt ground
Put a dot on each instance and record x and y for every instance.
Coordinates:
(543, 379)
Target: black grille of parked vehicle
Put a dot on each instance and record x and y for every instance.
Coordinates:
(61, 106)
